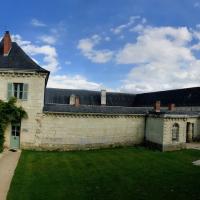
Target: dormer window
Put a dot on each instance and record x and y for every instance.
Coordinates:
(18, 90)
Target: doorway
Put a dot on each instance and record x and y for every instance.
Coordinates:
(189, 132)
(15, 136)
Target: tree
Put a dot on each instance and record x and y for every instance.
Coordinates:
(9, 113)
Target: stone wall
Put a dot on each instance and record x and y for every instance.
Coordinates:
(65, 132)
(154, 129)
(159, 131)
(51, 131)
(68, 132)
(196, 122)
(168, 144)
(33, 105)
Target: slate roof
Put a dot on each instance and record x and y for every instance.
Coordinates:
(175, 112)
(17, 59)
(93, 109)
(61, 96)
(57, 100)
(180, 97)
(60, 108)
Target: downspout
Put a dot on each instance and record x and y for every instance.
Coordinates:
(145, 127)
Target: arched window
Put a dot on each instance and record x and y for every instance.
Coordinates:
(175, 132)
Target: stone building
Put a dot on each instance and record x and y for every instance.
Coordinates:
(65, 119)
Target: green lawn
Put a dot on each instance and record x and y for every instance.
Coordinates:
(126, 173)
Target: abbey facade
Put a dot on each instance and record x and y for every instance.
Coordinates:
(64, 119)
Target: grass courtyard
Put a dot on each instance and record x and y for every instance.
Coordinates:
(117, 174)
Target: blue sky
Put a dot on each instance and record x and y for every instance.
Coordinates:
(120, 45)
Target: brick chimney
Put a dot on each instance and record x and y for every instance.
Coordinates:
(77, 101)
(103, 97)
(7, 43)
(171, 107)
(157, 106)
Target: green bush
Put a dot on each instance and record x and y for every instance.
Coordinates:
(9, 112)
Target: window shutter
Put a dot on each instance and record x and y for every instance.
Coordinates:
(25, 91)
(10, 90)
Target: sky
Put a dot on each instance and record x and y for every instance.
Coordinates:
(130, 46)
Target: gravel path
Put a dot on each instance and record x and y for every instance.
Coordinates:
(8, 163)
(193, 145)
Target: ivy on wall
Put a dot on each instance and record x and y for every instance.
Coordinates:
(9, 113)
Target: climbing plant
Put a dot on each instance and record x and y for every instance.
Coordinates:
(9, 112)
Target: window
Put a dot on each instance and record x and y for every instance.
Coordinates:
(18, 90)
(15, 130)
(175, 132)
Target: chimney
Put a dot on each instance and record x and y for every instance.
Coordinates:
(157, 106)
(7, 43)
(103, 97)
(77, 101)
(72, 99)
(171, 107)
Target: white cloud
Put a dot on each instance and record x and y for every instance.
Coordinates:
(50, 60)
(107, 38)
(68, 62)
(137, 28)
(87, 45)
(197, 4)
(37, 23)
(121, 37)
(198, 26)
(167, 42)
(121, 27)
(48, 39)
(162, 58)
(73, 82)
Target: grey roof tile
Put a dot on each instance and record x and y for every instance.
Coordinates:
(18, 60)
(87, 97)
(58, 108)
(180, 97)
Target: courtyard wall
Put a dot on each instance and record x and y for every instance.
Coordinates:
(69, 132)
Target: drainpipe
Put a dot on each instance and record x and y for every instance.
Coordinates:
(145, 127)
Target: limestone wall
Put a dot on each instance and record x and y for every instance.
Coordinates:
(67, 132)
(154, 129)
(33, 105)
(168, 144)
(196, 122)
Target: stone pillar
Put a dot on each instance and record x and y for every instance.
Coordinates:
(189, 134)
